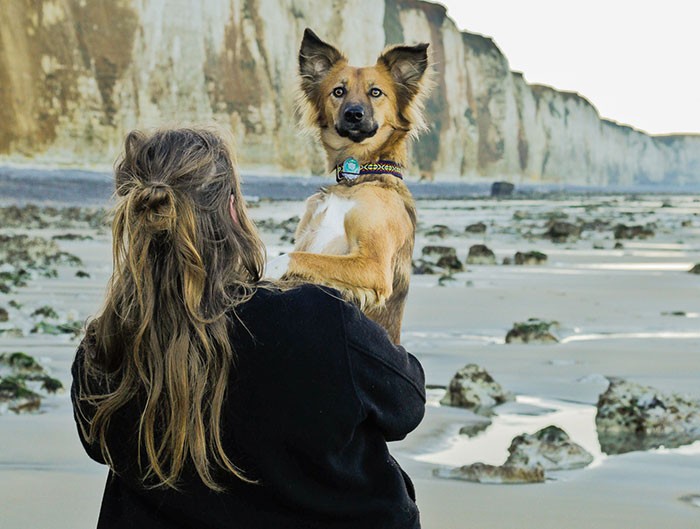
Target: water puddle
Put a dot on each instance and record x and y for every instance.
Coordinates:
(489, 443)
(639, 267)
(420, 337)
(528, 415)
(664, 335)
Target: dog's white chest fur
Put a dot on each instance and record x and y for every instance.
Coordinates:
(327, 233)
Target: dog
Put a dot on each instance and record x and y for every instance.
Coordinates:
(357, 236)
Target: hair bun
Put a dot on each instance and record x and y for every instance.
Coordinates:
(156, 202)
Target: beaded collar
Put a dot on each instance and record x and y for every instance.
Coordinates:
(351, 169)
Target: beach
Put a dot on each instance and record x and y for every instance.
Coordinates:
(625, 308)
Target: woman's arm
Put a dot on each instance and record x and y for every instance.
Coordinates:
(83, 411)
(389, 381)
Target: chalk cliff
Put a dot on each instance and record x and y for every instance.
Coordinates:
(75, 75)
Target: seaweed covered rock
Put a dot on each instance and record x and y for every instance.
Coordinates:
(480, 254)
(472, 387)
(622, 231)
(533, 330)
(432, 253)
(420, 267)
(438, 230)
(483, 473)
(22, 256)
(285, 228)
(633, 417)
(551, 448)
(695, 269)
(530, 258)
(478, 227)
(21, 379)
(34, 216)
(559, 231)
(444, 257)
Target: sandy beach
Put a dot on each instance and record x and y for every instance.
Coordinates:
(631, 312)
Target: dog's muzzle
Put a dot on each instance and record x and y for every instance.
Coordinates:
(356, 123)
(356, 134)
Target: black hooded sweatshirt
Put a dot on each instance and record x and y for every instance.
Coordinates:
(316, 392)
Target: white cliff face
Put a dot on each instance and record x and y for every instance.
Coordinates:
(76, 76)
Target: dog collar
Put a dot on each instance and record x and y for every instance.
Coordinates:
(351, 169)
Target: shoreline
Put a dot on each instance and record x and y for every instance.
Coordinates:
(22, 185)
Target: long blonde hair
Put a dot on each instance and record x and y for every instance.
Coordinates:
(180, 264)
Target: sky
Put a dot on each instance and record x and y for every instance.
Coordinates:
(638, 62)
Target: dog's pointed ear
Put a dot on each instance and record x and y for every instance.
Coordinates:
(407, 66)
(316, 58)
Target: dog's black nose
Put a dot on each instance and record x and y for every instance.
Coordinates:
(354, 114)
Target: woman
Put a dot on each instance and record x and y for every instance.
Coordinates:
(218, 400)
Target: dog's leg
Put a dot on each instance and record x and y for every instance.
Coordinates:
(312, 204)
(374, 232)
(362, 278)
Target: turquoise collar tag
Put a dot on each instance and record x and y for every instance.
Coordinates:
(351, 168)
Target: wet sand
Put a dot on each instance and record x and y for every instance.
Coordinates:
(610, 304)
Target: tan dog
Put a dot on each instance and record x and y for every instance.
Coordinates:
(357, 236)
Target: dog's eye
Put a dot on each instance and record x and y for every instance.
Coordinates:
(375, 92)
(339, 91)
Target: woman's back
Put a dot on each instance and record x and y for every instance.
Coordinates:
(316, 392)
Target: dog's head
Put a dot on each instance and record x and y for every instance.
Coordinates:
(362, 106)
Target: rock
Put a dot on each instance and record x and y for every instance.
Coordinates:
(451, 263)
(46, 311)
(533, 330)
(479, 227)
(560, 231)
(633, 232)
(420, 267)
(472, 387)
(681, 313)
(551, 448)
(16, 371)
(71, 237)
(687, 224)
(507, 261)
(82, 274)
(20, 363)
(442, 256)
(595, 225)
(695, 269)
(4, 315)
(502, 189)
(438, 230)
(480, 254)
(432, 254)
(619, 246)
(74, 328)
(530, 258)
(445, 279)
(483, 473)
(17, 397)
(635, 417)
(474, 428)
(691, 499)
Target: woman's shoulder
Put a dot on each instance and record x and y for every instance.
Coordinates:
(298, 304)
(297, 294)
